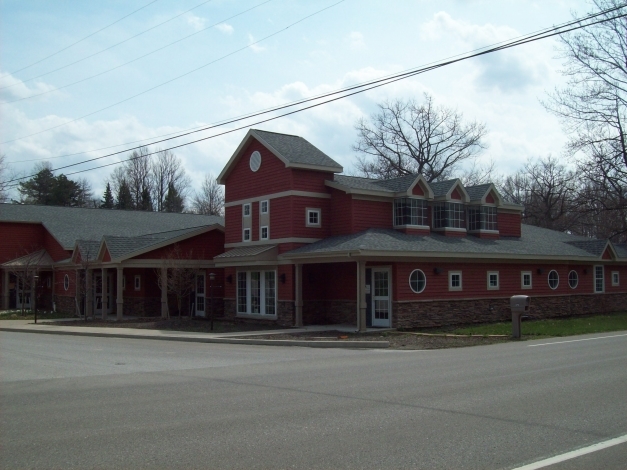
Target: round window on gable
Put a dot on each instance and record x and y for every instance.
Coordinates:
(255, 161)
(66, 282)
(417, 281)
(554, 279)
(573, 279)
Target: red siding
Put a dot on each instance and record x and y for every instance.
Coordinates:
(230, 287)
(19, 239)
(341, 213)
(233, 223)
(272, 176)
(455, 195)
(607, 254)
(489, 198)
(203, 246)
(371, 214)
(309, 180)
(54, 249)
(341, 281)
(509, 224)
(59, 288)
(415, 231)
(107, 256)
(417, 191)
(299, 216)
(280, 218)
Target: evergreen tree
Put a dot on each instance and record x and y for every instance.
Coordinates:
(107, 199)
(47, 189)
(124, 197)
(173, 201)
(39, 189)
(145, 203)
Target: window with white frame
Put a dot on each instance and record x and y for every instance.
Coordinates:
(263, 207)
(417, 281)
(256, 293)
(246, 235)
(493, 280)
(615, 279)
(263, 233)
(554, 279)
(599, 281)
(246, 209)
(455, 280)
(313, 218)
(482, 218)
(525, 280)
(410, 211)
(66, 282)
(573, 279)
(138, 282)
(448, 215)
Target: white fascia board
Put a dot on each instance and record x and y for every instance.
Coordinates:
(306, 166)
(366, 192)
(425, 184)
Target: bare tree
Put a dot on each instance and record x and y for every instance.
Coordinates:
(210, 199)
(593, 109)
(4, 176)
(137, 169)
(179, 280)
(24, 269)
(549, 193)
(478, 174)
(406, 137)
(167, 172)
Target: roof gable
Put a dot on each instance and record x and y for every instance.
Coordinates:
(292, 150)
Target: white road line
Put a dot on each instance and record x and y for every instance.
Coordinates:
(574, 340)
(574, 454)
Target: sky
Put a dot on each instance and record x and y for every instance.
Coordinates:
(91, 78)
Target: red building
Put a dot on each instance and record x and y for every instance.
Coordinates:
(304, 244)
(102, 262)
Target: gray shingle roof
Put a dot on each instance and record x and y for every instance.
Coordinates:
(393, 185)
(535, 241)
(594, 247)
(297, 150)
(441, 188)
(38, 259)
(245, 251)
(88, 249)
(477, 192)
(123, 246)
(68, 224)
(621, 250)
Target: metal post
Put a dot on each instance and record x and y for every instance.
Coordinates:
(34, 294)
(212, 277)
(298, 278)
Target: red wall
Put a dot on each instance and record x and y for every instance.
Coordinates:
(204, 246)
(371, 214)
(19, 239)
(309, 180)
(54, 249)
(233, 222)
(509, 224)
(58, 285)
(341, 213)
(280, 218)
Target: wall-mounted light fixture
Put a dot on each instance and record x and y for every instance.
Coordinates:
(437, 271)
(540, 270)
(282, 278)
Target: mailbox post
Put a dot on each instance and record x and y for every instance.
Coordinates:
(520, 305)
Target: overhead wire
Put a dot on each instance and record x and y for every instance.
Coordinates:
(82, 39)
(128, 62)
(189, 72)
(543, 34)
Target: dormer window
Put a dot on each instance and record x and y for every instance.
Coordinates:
(448, 215)
(410, 211)
(482, 218)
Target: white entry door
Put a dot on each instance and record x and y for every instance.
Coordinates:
(381, 297)
(23, 296)
(98, 293)
(200, 295)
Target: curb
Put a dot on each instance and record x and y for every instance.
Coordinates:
(194, 339)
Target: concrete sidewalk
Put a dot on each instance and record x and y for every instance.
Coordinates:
(49, 327)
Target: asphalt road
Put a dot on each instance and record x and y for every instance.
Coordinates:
(80, 402)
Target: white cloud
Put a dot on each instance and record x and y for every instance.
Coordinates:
(356, 41)
(196, 22)
(253, 46)
(225, 28)
(12, 88)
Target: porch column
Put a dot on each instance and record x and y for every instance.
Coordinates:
(33, 292)
(5, 289)
(361, 296)
(89, 292)
(105, 295)
(78, 294)
(164, 292)
(298, 285)
(119, 294)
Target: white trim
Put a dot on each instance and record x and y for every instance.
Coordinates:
(137, 282)
(274, 242)
(262, 294)
(595, 279)
(548, 279)
(617, 282)
(415, 227)
(250, 210)
(498, 280)
(522, 280)
(123, 282)
(267, 211)
(267, 197)
(450, 281)
(373, 299)
(312, 210)
(261, 237)
(450, 229)
(577, 279)
(66, 282)
(244, 231)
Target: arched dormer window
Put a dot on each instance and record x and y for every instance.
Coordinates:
(410, 211)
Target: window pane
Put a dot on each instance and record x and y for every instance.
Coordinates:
(381, 284)
(241, 293)
(599, 285)
(255, 292)
(270, 292)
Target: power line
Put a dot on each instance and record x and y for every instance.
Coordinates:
(177, 77)
(130, 61)
(543, 34)
(81, 40)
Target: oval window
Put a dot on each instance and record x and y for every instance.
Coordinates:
(417, 281)
(554, 279)
(573, 279)
(255, 161)
(66, 282)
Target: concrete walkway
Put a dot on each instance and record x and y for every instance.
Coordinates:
(49, 327)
